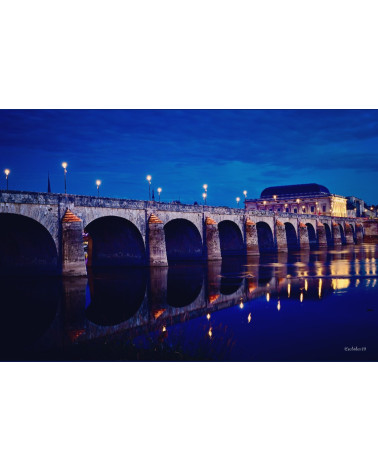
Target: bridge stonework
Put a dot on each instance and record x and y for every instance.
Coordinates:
(150, 220)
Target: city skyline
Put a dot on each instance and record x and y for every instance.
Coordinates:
(229, 150)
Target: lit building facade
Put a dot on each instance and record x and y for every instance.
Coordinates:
(313, 199)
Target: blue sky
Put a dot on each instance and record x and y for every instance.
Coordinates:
(230, 150)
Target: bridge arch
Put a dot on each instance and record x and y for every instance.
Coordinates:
(291, 236)
(114, 241)
(265, 237)
(231, 238)
(26, 246)
(311, 235)
(183, 240)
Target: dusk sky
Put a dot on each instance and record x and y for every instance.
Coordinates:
(230, 150)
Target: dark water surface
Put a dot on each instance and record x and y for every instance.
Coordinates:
(302, 306)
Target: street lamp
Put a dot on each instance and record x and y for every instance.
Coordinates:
(98, 183)
(205, 187)
(64, 165)
(149, 186)
(264, 203)
(159, 192)
(204, 195)
(237, 200)
(7, 172)
(245, 195)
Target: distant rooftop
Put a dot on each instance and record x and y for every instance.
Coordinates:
(292, 190)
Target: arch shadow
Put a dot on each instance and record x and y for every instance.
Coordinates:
(328, 234)
(231, 239)
(26, 247)
(114, 241)
(183, 241)
(265, 238)
(312, 236)
(291, 237)
(342, 234)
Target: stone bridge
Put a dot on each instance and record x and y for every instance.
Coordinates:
(45, 231)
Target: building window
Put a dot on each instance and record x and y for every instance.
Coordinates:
(287, 210)
(295, 210)
(312, 209)
(324, 208)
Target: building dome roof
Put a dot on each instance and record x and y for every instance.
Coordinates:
(292, 190)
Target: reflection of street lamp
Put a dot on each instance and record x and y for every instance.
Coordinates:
(64, 165)
(204, 195)
(98, 183)
(149, 186)
(245, 195)
(237, 200)
(159, 192)
(7, 172)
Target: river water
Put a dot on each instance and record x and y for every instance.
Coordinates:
(302, 306)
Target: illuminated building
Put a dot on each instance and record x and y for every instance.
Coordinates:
(303, 199)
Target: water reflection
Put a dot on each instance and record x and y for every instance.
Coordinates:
(115, 297)
(50, 315)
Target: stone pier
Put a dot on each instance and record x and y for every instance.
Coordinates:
(336, 235)
(281, 237)
(156, 238)
(212, 240)
(73, 259)
(251, 240)
(304, 241)
(321, 234)
(359, 233)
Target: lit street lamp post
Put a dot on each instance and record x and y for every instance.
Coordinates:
(149, 186)
(7, 172)
(64, 165)
(245, 195)
(238, 200)
(204, 196)
(98, 183)
(159, 192)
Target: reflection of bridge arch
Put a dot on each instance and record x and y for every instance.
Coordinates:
(183, 240)
(231, 238)
(114, 241)
(26, 246)
(231, 279)
(291, 236)
(265, 237)
(311, 235)
(184, 285)
(116, 299)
